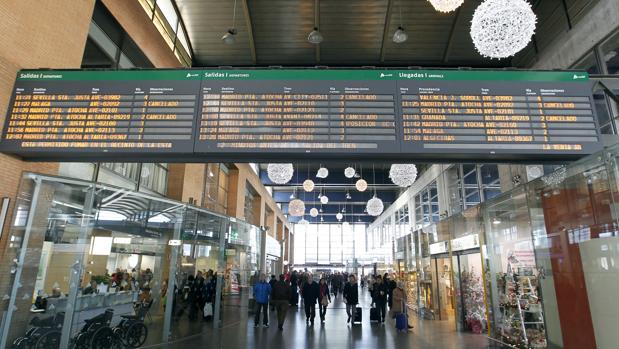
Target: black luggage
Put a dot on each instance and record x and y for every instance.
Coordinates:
(374, 315)
(358, 316)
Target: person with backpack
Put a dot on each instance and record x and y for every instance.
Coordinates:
(280, 298)
(262, 291)
(351, 296)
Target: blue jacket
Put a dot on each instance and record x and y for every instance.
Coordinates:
(262, 290)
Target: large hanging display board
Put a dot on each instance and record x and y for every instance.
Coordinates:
(265, 114)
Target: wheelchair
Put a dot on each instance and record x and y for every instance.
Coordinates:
(97, 333)
(43, 333)
(131, 331)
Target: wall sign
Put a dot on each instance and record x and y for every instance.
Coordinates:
(187, 115)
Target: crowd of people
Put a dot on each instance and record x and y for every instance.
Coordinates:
(290, 287)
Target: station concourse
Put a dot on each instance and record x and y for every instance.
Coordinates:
(296, 173)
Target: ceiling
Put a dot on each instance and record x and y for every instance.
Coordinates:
(335, 187)
(356, 33)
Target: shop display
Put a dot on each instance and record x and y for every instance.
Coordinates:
(521, 321)
(474, 305)
(411, 291)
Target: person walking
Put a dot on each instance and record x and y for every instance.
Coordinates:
(399, 302)
(380, 298)
(294, 292)
(271, 283)
(324, 298)
(310, 293)
(262, 290)
(281, 297)
(351, 296)
(390, 285)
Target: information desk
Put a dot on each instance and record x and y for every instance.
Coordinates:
(262, 114)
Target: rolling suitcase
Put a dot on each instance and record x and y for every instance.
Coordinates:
(358, 316)
(401, 322)
(374, 315)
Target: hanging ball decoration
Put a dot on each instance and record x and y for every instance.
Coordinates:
(361, 185)
(280, 173)
(339, 216)
(296, 208)
(322, 172)
(314, 212)
(375, 206)
(303, 221)
(349, 172)
(502, 28)
(446, 5)
(324, 199)
(403, 175)
(308, 185)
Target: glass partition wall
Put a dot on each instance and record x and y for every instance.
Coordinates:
(83, 256)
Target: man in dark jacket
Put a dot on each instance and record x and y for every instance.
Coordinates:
(351, 295)
(294, 293)
(262, 290)
(380, 297)
(280, 298)
(310, 294)
(272, 283)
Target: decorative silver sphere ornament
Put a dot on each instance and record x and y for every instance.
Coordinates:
(375, 206)
(555, 178)
(308, 185)
(314, 212)
(324, 199)
(502, 28)
(280, 173)
(339, 216)
(403, 175)
(322, 172)
(349, 172)
(361, 185)
(296, 208)
(446, 6)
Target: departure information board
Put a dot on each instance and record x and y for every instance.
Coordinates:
(262, 114)
(102, 111)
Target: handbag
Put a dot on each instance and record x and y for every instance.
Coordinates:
(208, 309)
(324, 301)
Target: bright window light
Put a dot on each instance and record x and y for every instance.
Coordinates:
(101, 245)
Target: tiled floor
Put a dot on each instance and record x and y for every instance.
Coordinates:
(335, 333)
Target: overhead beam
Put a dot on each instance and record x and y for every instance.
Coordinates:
(386, 29)
(452, 32)
(250, 31)
(317, 25)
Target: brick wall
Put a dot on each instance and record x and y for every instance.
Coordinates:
(36, 34)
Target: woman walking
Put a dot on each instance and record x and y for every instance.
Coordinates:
(324, 298)
(399, 303)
